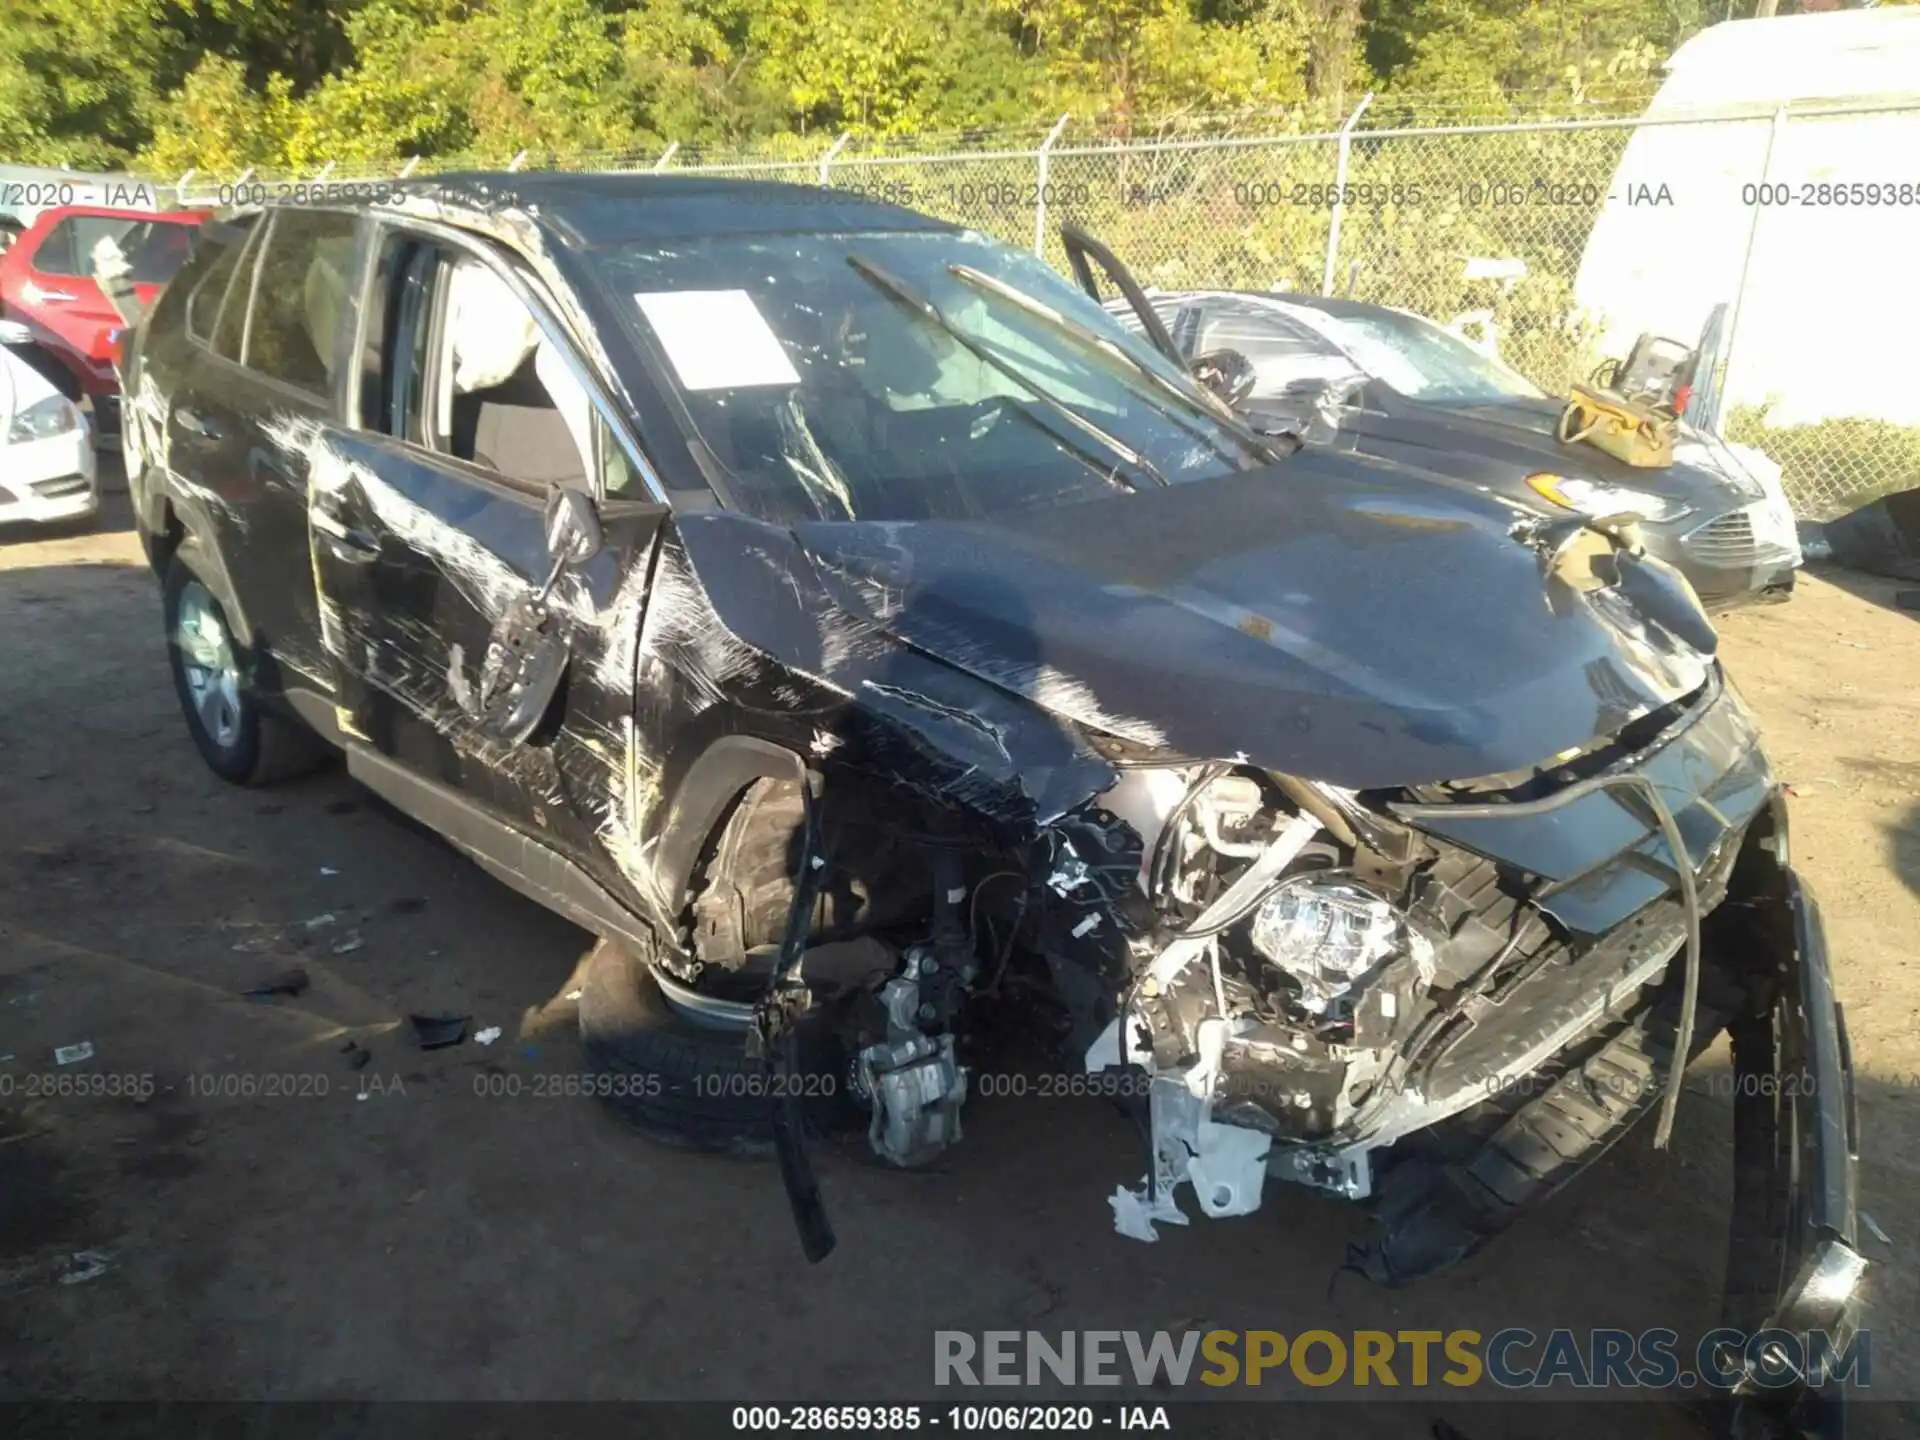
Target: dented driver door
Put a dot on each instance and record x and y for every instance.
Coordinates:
(467, 654)
(451, 662)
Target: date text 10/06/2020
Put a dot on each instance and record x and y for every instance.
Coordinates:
(899, 1419)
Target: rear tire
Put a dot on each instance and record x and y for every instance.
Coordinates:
(241, 741)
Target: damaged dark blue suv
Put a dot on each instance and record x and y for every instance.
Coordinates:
(845, 618)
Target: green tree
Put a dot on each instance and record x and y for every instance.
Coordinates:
(1129, 59)
(79, 79)
(880, 66)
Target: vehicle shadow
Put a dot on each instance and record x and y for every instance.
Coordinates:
(122, 855)
(444, 1244)
(1877, 589)
(1903, 846)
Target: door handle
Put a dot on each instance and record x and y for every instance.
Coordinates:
(354, 546)
(194, 423)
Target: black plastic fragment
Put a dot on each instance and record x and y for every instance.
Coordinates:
(436, 1032)
(796, 1167)
(287, 982)
(778, 1040)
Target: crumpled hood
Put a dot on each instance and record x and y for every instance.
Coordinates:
(1343, 620)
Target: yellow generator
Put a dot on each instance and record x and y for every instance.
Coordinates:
(1634, 406)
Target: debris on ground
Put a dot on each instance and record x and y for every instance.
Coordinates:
(486, 1036)
(328, 870)
(357, 1055)
(73, 1054)
(1874, 1227)
(269, 937)
(84, 1265)
(292, 981)
(348, 943)
(435, 1032)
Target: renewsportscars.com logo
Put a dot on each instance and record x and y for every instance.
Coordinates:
(1512, 1359)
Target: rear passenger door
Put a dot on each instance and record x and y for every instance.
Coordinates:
(428, 542)
(269, 336)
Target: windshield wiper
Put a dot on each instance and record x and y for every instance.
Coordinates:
(1208, 404)
(905, 295)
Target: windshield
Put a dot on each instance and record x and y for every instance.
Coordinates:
(1421, 360)
(872, 377)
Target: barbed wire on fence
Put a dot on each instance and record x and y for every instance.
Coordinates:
(1465, 211)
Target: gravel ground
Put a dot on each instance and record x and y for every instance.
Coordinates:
(390, 1233)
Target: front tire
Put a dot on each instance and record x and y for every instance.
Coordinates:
(688, 1083)
(241, 741)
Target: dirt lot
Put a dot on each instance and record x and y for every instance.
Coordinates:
(389, 1233)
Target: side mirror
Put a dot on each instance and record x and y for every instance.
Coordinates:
(1331, 397)
(573, 536)
(573, 528)
(1227, 373)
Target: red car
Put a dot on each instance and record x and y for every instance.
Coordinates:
(46, 283)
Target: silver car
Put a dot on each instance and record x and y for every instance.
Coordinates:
(1396, 385)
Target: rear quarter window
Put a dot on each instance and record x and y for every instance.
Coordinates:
(301, 297)
(205, 282)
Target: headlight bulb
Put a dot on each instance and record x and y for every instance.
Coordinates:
(1328, 933)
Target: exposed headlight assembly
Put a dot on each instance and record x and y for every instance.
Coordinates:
(1589, 497)
(42, 420)
(1329, 932)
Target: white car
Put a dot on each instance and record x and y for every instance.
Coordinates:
(46, 447)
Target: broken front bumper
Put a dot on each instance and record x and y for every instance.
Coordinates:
(1791, 1299)
(1794, 1268)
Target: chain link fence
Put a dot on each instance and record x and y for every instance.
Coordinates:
(1552, 241)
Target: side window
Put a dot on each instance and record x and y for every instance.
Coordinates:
(230, 328)
(466, 370)
(400, 369)
(618, 474)
(1282, 352)
(56, 250)
(154, 249)
(300, 297)
(221, 246)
